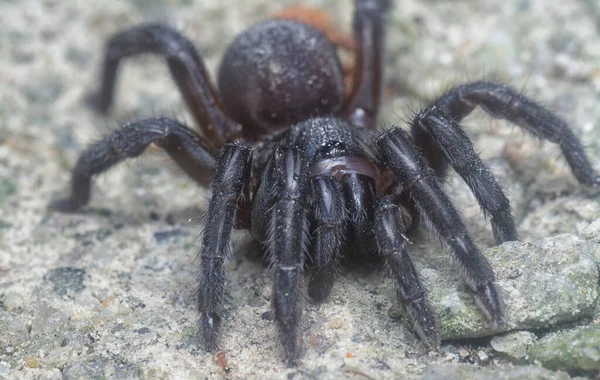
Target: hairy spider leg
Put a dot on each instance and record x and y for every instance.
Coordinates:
(359, 195)
(398, 151)
(391, 245)
(503, 102)
(362, 106)
(330, 221)
(287, 244)
(231, 173)
(263, 201)
(458, 150)
(186, 67)
(185, 147)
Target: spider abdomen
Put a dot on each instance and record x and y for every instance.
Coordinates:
(278, 73)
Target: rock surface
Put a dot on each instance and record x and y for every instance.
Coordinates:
(109, 292)
(544, 283)
(513, 344)
(575, 351)
(467, 372)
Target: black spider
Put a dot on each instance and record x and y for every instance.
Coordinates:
(311, 181)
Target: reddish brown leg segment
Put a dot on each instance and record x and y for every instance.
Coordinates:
(363, 104)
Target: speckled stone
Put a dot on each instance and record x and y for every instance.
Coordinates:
(513, 344)
(544, 283)
(467, 372)
(575, 351)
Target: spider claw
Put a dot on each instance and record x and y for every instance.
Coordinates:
(66, 205)
(209, 324)
(292, 362)
(96, 101)
(490, 303)
(320, 283)
(292, 344)
(425, 322)
(374, 5)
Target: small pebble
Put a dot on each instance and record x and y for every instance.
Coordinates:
(482, 356)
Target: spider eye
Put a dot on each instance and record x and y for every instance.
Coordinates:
(332, 149)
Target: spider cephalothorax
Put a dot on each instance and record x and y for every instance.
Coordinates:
(311, 179)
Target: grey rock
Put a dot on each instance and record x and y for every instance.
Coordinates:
(66, 280)
(4, 368)
(468, 372)
(513, 344)
(557, 216)
(98, 368)
(48, 320)
(7, 188)
(544, 283)
(162, 236)
(577, 350)
(13, 333)
(592, 233)
(45, 92)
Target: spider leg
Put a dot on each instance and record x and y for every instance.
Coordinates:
(287, 242)
(504, 102)
(369, 23)
(458, 150)
(187, 69)
(263, 201)
(389, 227)
(330, 215)
(397, 150)
(227, 184)
(359, 196)
(184, 146)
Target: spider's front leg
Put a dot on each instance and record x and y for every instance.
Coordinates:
(184, 146)
(186, 67)
(330, 216)
(227, 186)
(280, 218)
(397, 150)
(287, 244)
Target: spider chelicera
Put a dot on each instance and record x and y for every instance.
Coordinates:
(292, 159)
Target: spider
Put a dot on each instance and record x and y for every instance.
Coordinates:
(291, 158)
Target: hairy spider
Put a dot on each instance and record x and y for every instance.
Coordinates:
(294, 161)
